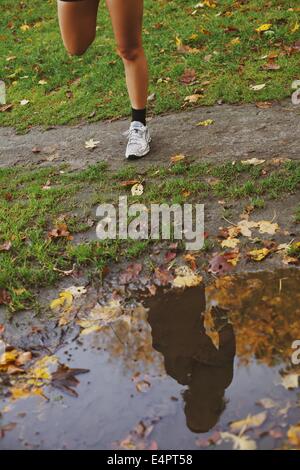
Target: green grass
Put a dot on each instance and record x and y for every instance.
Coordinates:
(93, 85)
(29, 210)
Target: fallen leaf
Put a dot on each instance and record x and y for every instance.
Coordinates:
(137, 189)
(239, 442)
(252, 161)
(257, 87)
(293, 434)
(65, 379)
(91, 144)
(207, 122)
(186, 277)
(177, 158)
(259, 254)
(263, 27)
(249, 422)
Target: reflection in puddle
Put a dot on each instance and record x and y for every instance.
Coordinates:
(173, 377)
(190, 357)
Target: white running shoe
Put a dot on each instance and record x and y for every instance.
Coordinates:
(138, 141)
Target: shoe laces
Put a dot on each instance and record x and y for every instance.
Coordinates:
(134, 135)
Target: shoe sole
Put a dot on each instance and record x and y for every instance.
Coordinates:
(137, 157)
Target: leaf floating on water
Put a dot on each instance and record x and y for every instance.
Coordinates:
(294, 435)
(65, 379)
(290, 381)
(239, 442)
(249, 422)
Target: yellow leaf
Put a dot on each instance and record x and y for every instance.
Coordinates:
(185, 277)
(207, 122)
(249, 422)
(294, 434)
(263, 27)
(230, 243)
(24, 27)
(64, 301)
(295, 27)
(177, 158)
(235, 41)
(259, 255)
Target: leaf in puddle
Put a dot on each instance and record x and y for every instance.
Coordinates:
(65, 379)
(259, 254)
(239, 442)
(267, 403)
(293, 434)
(186, 277)
(250, 422)
(6, 428)
(142, 386)
(290, 381)
(106, 313)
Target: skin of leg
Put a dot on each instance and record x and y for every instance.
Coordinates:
(127, 21)
(77, 21)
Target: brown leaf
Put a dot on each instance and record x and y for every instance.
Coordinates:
(188, 76)
(219, 265)
(5, 246)
(131, 273)
(5, 298)
(61, 231)
(162, 277)
(64, 379)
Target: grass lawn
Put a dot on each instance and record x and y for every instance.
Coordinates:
(34, 202)
(218, 41)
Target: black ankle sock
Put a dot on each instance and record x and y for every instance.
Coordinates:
(138, 115)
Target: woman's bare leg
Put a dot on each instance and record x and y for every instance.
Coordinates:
(127, 19)
(77, 21)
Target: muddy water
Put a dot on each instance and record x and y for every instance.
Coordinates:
(173, 378)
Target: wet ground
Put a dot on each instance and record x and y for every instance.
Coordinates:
(179, 370)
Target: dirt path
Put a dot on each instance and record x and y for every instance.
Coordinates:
(238, 132)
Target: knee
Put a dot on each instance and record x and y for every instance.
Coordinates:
(78, 48)
(130, 53)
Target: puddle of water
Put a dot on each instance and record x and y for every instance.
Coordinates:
(168, 380)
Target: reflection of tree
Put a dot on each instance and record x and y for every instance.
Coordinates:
(129, 340)
(265, 311)
(190, 356)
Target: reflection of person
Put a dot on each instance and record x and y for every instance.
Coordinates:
(77, 20)
(190, 356)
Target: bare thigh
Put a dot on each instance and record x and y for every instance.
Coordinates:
(127, 21)
(77, 21)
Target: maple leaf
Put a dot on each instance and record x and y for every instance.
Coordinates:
(91, 144)
(65, 379)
